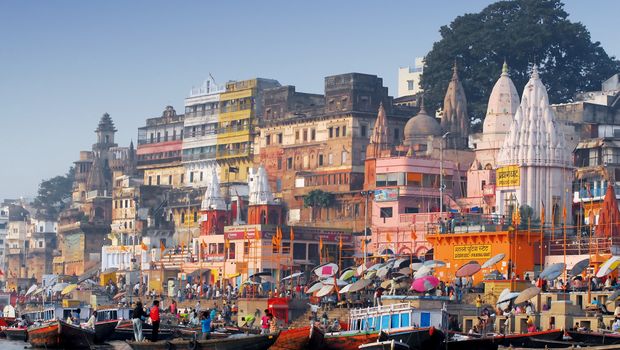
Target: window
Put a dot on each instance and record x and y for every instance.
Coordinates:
(231, 251)
(280, 138)
(279, 163)
(364, 130)
(165, 136)
(296, 135)
(484, 183)
(182, 178)
(289, 163)
(396, 135)
(158, 137)
(268, 140)
(344, 157)
(312, 134)
(201, 176)
(152, 137)
(182, 218)
(410, 85)
(150, 180)
(330, 159)
(299, 251)
(410, 210)
(386, 212)
(169, 179)
(337, 131)
(320, 160)
(331, 132)
(278, 185)
(191, 177)
(158, 180)
(195, 216)
(305, 135)
(344, 131)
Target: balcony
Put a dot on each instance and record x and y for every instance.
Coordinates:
(233, 153)
(594, 194)
(199, 156)
(158, 161)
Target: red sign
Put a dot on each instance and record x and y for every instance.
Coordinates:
(488, 190)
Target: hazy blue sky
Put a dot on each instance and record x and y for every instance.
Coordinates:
(65, 63)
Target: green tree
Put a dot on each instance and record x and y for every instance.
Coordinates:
(317, 199)
(54, 195)
(522, 32)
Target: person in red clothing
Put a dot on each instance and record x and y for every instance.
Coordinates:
(155, 320)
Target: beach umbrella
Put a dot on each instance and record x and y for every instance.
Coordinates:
(423, 271)
(38, 291)
(31, 289)
(375, 267)
(494, 260)
(250, 282)
(612, 298)
(326, 270)
(68, 289)
(405, 271)
(401, 263)
(119, 295)
(527, 294)
(608, 266)
(434, 263)
(359, 285)
(424, 284)
(468, 269)
(345, 289)
(260, 274)
(58, 287)
(295, 275)
(579, 267)
(331, 282)
(416, 266)
(552, 272)
(386, 284)
(347, 274)
(362, 268)
(370, 275)
(315, 287)
(505, 297)
(327, 289)
(383, 271)
(268, 279)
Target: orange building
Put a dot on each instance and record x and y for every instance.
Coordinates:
(457, 249)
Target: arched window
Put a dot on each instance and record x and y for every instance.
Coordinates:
(182, 218)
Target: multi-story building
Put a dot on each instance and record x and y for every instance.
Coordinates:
(84, 227)
(42, 243)
(409, 78)
(239, 107)
(4, 223)
(307, 144)
(17, 245)
(201, 132)
(160, 145)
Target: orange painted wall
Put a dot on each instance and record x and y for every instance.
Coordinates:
(457, 249)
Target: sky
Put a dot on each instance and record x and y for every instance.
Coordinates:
(65, 63)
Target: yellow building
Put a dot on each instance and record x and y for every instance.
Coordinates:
(238, 108)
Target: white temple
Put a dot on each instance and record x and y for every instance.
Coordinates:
(213, 197)
(501, 109)
(534, 146)
(258, 183)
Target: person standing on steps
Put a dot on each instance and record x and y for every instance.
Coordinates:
(154, 314)
(136, 319)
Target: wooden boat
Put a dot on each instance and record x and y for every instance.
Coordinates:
(551, 339)
(75, 337)
(414, 338)
(124, 331)
(299, 338)
(104, 330)
(4, 323)
(595, 338)
(470, 343)
(349, 340)
(45, 335)
(385, 345)
(16, 333)
(234, 342)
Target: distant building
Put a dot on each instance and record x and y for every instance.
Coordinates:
(42, 244)
(4, 225)
(409, 78)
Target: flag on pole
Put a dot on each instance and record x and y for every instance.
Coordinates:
(542, 213)
(414, 236)
(245, 234)
(320, 244)
(340, 242)
(388, 237)
(363, 245)
(162, 245)
(564, 213)
(144, 247)
(256, 236)
(123, 248)
(292, 234)
(226, 244)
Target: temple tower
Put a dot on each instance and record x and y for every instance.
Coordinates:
(213, 207)
(455, 119)
(262, 208)
(534, 164)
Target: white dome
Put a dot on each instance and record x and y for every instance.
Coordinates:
(503, 104)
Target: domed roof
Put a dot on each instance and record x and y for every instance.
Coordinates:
(503, 104)
(421, 126)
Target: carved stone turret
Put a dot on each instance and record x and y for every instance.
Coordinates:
(455, 119)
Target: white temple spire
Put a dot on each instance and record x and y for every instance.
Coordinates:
(260, 192)
(213, 197)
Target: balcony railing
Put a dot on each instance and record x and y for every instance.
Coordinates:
(233, 153)
(199, 156)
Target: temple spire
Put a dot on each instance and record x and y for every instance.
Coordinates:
(455, 118)
(379, 138)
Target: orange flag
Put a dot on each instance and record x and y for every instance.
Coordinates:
(292, 234)
(320, 244)
(245, 234)
(256, 236)
(363, 244)
(388, 237)
(123, 248)
(144, 247)
(162, 245)
(414, 236)
(542, 213)
(340, 242)
(226, 244)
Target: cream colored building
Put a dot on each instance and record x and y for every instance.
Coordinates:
(409, 78)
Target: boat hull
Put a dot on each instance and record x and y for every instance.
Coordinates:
(385, 345)
(532, 340)
(16, 333)
(236, 342)
(304, 338)
(75, 337)
(348, 340)
(595, 338)
(124, 331)
(415, 338)
(104, 330)
(44, 336)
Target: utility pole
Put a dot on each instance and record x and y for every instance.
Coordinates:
(366, 195)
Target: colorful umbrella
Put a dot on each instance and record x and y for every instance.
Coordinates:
(295, 275)
(315, 287)
(423, 271)
(552, 272)
(327, 289)
(68, 289)
(359, 285)
(527, 294)
(119, 295)
(612, 298)
(579, 267)
(58, 287)
(345, 289)
(424, 284)
(468, 269)
(416, 266)
(405, 271)
(370, 275)
(326, 270)
(434, 263)
(382, 272)
(401, 263)
(31, 289)
(608, 266)
(494, 260)
(375, 267)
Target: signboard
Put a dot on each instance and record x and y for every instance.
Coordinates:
(472, 252)
(508, 176)
(488, 190)
(386, 195)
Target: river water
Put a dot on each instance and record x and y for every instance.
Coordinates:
(20, 345)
